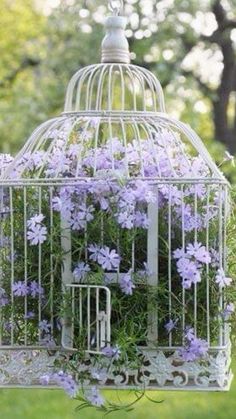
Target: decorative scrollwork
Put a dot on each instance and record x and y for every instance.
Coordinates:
(163, 370)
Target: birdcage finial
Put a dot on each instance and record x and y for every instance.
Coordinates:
(115, 47)
(116, 6)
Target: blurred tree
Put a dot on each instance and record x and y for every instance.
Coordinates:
(190, 46)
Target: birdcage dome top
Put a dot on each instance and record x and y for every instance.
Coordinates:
(114, 124)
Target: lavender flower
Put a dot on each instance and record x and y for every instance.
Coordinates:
(171, 325)
(80, 271)
(37, 235)
(95, 251)
(228, 311)
(44, 326)
(19, 289)
(112, 352)
(126, 284)
(33, 221)
(4, 300)
(195, 348)
(29, 315)
(199, 252)
(108, 259)
(189, 272)
(221, 279)
(95, 398)
(35, 290)
(45, 379)
(63, 380)
(99, 374)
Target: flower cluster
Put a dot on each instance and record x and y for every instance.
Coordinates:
(195, 348)
(37, 233)
(22, 289)
(94, 397)
(62, 379)
(126, 283)
(221, 279)
(190, 263)
(108, 259)
(113, 352)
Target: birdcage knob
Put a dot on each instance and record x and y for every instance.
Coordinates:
(115, 47)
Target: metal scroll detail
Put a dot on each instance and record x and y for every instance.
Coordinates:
(160, 370)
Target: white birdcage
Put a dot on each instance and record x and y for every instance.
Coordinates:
(115, 173)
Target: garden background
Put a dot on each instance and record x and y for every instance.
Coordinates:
(190, 45)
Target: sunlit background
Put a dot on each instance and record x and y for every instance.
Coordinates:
(190, 45)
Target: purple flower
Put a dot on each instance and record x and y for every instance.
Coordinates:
(228, 311)
(99, 374)
(33, 221)
(108, 259)
(221, 279)
(63, 380)
(215, 258)
(199, 252)
(29, 315)
(48, 341)
(63, 204)
(19, 289)
(35, 290)
(95, 251)
(179, 253)
(45, 379)
(44, 326)
(4, 300)
(67, 382)
(37, 235)
(95, 398)
(81, 217)
(126, 284)
(189, 333)
(189, 272)
(112, 352)
(171, 325)
(141, 220)
(195, 348)
(80, 271)
(126, 219)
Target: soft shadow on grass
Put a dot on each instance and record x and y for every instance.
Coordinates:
(54, 404)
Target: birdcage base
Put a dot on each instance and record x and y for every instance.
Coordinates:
(160, 370)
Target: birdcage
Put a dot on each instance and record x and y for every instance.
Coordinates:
(113, 240)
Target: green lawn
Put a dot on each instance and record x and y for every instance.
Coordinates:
(53, 404)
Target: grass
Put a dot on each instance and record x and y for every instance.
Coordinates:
(54, 404)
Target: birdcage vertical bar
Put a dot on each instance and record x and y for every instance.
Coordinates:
(66, 274)
(220, 238)
(183, 247)
(208, 192)
(153, 266)
(39, 266)
(12, 263)
(1, 249)
(98, 343)
(51, 293)
(195, 241)
(170, 258)
(225, 215)
(88, 318)
(25, 260)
